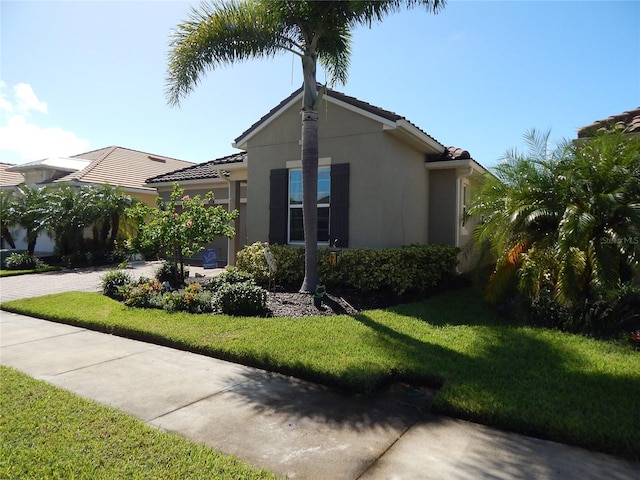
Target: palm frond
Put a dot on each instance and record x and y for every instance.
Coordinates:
(221, 34)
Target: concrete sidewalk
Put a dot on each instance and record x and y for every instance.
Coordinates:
(294, 428)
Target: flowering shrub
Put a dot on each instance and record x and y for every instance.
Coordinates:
(143, 295)
(191, 299)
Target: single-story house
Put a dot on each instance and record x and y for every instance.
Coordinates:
(117, 166)
(382, 181)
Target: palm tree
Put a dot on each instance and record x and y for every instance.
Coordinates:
(30, 210)
(71, 211)
(225, 33)
(6, 220)
(565, 219)
(108, 206)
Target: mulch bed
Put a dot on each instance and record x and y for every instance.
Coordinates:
(290, 304)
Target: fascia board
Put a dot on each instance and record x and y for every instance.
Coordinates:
(452, 164)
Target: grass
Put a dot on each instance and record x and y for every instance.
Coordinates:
(47, 432)
(534, 381)
(13, 273)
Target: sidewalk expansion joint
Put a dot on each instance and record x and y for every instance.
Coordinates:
(384, 452)
(206, 397)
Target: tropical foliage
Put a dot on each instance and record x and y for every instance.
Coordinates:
(564, 220)
(181, 227)
(224, 33)
(68, 214)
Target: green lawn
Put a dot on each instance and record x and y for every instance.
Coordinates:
(46, 432)
(13, 273)
(535, 381)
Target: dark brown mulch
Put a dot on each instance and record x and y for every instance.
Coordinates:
(293, 304)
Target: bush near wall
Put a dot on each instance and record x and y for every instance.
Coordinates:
(415, 268)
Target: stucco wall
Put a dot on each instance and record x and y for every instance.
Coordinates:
(442, 197)
(388, 181)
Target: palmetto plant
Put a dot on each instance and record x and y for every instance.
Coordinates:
(565, 219)
(224, 33)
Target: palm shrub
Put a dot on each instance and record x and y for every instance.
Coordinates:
(563, 221)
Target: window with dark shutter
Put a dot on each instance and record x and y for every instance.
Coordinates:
(285, 212)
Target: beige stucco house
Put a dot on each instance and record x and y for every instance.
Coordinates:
(117, 166)
(383, 182)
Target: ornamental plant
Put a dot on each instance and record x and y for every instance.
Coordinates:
(180, 227)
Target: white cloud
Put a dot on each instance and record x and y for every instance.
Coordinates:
(23, 139)
(33, 143)
(27, 100)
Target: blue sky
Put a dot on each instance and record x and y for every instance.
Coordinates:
(81, 75)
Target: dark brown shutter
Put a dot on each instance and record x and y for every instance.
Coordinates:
(278, 206)
(339, 220)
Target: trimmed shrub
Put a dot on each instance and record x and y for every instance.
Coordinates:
(230, 275)
(251, 260)
(112, 283)
(23, 261)
(290, 262)
(415, 268)
(241, 299)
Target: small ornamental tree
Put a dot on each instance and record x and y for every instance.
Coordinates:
(181, 227)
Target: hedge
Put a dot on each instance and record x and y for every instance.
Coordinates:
(415, 268)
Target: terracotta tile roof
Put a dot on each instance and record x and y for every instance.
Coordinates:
(367, 107)
(123, 167)
(8, 178)
(210, 169)
(628, 121)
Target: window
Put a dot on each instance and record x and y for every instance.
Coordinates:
(296, 227)
(285, 205)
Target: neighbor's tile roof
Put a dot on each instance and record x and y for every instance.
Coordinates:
(210, 169)
(123, 167)
(367, 107)
(628, 121)
(8, 178)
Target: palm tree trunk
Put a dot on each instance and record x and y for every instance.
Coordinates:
(310, 173)
(310, 199)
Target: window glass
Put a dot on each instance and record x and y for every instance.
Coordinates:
(296, 227)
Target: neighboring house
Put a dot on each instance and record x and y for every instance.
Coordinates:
(117, 166)
(628, 121)
(383, 182)
(9, 179)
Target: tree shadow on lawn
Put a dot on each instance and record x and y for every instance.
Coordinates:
(510, 378)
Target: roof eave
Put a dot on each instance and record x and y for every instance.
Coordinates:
(452, 164)
(406, 130)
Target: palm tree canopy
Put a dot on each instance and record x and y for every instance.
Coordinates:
(566, 218)
(223, 33)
